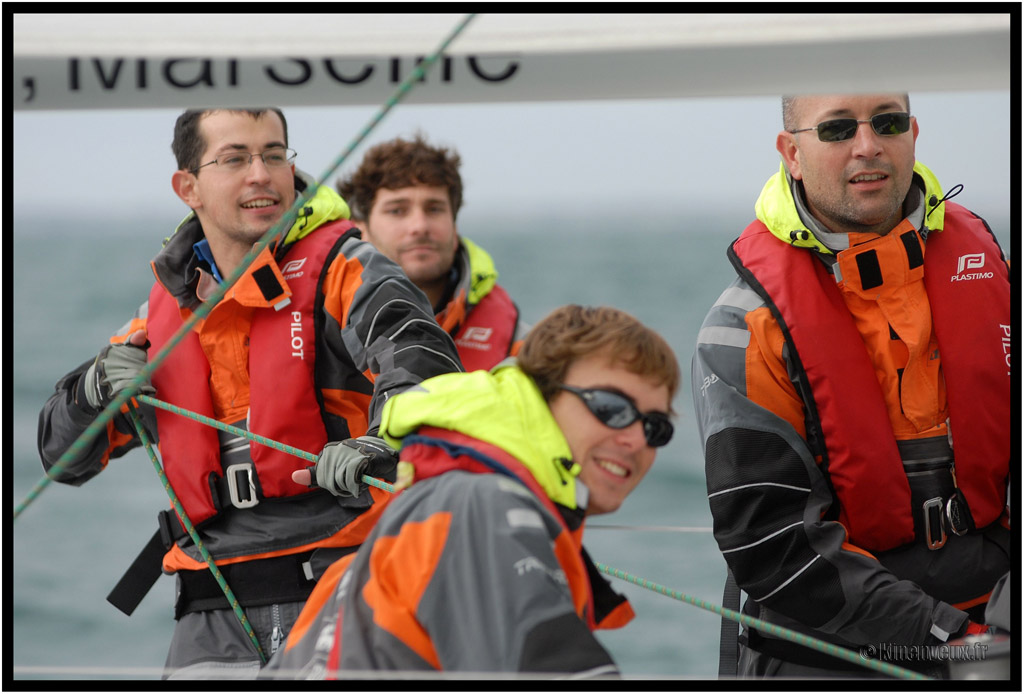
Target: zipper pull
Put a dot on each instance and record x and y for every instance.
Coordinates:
(277, 633)
(276, 636)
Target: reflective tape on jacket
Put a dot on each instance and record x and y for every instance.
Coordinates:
(970, 316)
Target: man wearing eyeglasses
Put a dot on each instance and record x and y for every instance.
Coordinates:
(852, 389)
(478, 565)
(306, 346)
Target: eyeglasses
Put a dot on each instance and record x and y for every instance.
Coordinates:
(618, 412)
(840, 129)
(273, 158)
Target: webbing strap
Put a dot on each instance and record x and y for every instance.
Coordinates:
(139, 577)
(728, 640)
(148, 566)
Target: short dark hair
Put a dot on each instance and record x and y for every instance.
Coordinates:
(573, 332)
(399, 164)
(188, 144)
(789, 107)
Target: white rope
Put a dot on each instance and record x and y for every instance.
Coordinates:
(653, 528)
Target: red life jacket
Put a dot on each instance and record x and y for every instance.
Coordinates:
(282, 388)
(485, 338)
(434, 451)
(971, 318)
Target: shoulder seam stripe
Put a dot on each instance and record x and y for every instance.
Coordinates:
(458, 367)
(745, 299)
(760, 484)
(727, 337)
(765, 538)
(373, 322)
(790, 579)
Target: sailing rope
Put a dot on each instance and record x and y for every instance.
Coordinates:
(767, 627)
(99, 424)
(86, 438)
(297, 452)
(123, 398)
(190, 529)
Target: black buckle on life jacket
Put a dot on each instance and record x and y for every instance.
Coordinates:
(241, 479)
(934, 532)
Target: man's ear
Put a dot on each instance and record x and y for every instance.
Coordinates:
(184, 184)
(785, 143)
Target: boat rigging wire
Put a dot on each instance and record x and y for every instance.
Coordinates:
(652, 528)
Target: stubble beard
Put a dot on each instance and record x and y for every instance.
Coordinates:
(847, 215)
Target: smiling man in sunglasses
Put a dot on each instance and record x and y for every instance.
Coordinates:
(852, 389)
(477, 565)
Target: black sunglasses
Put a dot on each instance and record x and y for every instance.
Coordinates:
(618, 412)
(840, 129)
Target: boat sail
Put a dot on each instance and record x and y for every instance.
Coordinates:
(105, 61)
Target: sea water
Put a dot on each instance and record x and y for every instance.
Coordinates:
(76, 282)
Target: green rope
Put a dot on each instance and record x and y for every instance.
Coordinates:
(767, 627)
(87, 436)
(202, 419)
(99, 424)
(781, 632)
(417, 74)
(190, 529)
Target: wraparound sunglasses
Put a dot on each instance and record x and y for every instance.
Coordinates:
(839, 129)
(618, 412)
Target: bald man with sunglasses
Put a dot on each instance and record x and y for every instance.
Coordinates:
(852, 391)
(477, 565)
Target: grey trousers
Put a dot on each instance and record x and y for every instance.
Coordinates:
(213, 645)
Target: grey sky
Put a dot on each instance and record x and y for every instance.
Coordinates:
(551, 159)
